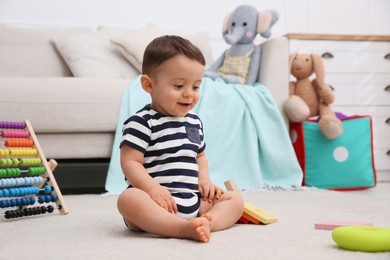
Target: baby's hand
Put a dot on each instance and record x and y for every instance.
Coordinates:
(163, 198)
(209, 191)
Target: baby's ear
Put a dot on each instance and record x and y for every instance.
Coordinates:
(146, 83)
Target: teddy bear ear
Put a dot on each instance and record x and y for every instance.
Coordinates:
(290, 59)
(318, 67)
(225, 25)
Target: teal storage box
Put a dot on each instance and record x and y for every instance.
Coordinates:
(343, 163)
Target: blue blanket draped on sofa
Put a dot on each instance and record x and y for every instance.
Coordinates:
(245, 135)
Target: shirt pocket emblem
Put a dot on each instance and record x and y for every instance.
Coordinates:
(193, 134)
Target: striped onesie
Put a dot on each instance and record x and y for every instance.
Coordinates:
(170, 146)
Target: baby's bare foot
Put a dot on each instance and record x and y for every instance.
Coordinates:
(210, 218)
(200, 229)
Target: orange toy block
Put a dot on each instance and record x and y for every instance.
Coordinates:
(243, 220)
(231, 185)
(250, 218)
(259, 214)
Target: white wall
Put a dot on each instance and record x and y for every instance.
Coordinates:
(311, 16)
(169, 14)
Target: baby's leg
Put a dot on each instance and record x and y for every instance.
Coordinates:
(141, 212)
(225, 212)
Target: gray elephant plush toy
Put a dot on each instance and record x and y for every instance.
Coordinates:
(241, 62)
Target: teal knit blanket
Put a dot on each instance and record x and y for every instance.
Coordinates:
(245, 135)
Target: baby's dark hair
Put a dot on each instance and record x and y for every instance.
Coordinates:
(165, 47)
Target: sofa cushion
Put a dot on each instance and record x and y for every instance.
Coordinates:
(63, 105)
(76, 145)
(93, 55)
(132, 42)
(29, 52)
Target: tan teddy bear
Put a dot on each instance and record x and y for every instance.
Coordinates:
(309, 98)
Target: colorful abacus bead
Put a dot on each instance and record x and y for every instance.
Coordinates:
(9, 172)
(30, 161)
(5, 162)
(47, 199)
(19, 191)
(20, 181)
(17, 202)
(14, 134)
(19, 143)
(50, 208)
(54, 198)
(23, 152)
(36, 170)
(47, 189)
(8, 162)
(4, 152)
(28, 212)
(15, 162)
(14, 125)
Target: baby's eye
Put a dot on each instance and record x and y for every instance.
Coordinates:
(195, 87)
(178, 86)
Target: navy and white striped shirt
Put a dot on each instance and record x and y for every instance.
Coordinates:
(170, 146)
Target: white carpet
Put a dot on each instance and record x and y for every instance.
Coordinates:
(95, 230)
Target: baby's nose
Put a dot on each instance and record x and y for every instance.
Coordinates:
(187, 93)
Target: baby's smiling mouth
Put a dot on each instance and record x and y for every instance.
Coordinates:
(184, 104)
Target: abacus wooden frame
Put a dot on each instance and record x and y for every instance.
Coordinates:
(61, 205)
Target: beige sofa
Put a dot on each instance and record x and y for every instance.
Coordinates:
(69, 83)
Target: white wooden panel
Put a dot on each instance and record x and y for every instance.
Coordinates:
(382, 144)
(381, 158)
(360, 89)
(361, 95)
(353, 62)
(363, 79)
(381, 127)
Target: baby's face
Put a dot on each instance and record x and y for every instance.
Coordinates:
(176, 86)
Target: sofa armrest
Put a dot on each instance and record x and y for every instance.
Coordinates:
(63, 104)
(274, 72)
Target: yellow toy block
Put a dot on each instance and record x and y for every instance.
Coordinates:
(231, 185)
(259, 214)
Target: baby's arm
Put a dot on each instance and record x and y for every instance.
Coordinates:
(132, 167)
(207, 189)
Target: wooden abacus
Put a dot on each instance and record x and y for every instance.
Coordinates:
(26, 177)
